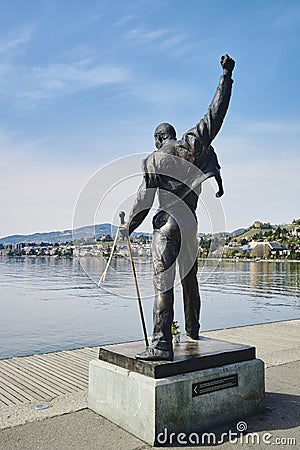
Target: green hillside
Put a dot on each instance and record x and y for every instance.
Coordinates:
(282, 233)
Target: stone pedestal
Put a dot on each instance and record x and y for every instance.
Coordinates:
(209, 383)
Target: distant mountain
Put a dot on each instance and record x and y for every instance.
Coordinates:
(51, 237)
(87, 232)
(238, 231)
(224, 234)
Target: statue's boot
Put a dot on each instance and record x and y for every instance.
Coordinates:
(155, 354)
(192, 337)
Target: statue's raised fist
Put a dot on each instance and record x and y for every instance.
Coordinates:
(227, 63)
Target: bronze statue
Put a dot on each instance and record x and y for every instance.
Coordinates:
(175, 171)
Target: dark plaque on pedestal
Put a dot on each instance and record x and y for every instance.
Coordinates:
(216, 384)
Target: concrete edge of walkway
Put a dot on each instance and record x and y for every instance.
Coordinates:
(11, 416)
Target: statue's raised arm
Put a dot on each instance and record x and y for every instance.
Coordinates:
(208, 127)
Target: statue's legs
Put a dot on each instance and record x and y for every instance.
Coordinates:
(188, 267)
(191, 300)
(164, 254)
(166, 251)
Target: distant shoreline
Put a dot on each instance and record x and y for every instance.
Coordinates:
(149, 257)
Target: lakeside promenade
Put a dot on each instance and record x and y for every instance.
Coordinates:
(60, 380)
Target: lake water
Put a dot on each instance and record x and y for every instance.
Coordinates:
(49, 304)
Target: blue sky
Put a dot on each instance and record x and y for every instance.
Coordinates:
(83, 83)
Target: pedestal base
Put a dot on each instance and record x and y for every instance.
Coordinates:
(190, 402)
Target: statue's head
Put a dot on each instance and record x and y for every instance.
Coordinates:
(162, 133)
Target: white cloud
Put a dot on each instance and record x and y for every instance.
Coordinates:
(78, 69)
(124, 20)
(31, 85)
(167, 41)
(15, 40)
(141, 35)
(69, 78)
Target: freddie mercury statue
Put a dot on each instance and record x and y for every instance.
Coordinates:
(175, 172)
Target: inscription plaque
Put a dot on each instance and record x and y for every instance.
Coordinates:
(216, 384)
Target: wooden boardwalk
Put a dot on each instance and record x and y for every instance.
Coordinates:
(40, 378)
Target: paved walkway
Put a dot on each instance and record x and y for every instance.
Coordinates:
(277, 344)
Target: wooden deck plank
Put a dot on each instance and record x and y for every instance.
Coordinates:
(5, 401)
(44, 376)
(88, 350)
(14, 389)
(85, 353)
(57, 377)
(19, 387)
(7, 391)
(73, 362)
(59, 371)
(78, 358)
(57, 358)
(59, 365)
(56, 366)
(24, 379)
(81, 351)
(28, 372)
(92, 352)
(47, 380)
(69, 367)
(74, 355)
(2, 404)
(4, 394)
